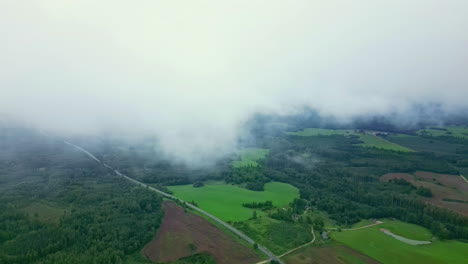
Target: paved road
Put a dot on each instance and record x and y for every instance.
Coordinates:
(237, 232)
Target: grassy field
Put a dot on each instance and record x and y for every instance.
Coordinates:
(225, 200)
(377, 142)
(367, 139)
(362, 223)
(453, 131)
(249, 157)
(374, 243)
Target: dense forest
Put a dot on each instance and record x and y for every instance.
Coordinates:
(58, 206)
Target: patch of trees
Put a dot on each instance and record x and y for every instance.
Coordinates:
(198, 184)
(423, 191)
(253, 177)
(199, 258)
(264, 206)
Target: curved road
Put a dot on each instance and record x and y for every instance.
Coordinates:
(237, 232)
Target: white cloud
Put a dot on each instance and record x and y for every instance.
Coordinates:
(192, 71)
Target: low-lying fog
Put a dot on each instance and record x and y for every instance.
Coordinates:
(192, 72)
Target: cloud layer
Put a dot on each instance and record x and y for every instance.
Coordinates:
(191, 72)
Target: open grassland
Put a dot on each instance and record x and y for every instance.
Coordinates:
(328, 254)
(384, 248)
(362, 223)
(249, 157)
(278, 236)
(451, 131)
(377, 142)
(407, 230)
(369, 140)
(225, 200)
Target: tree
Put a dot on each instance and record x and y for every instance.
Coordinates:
(318, 223)
(198, 184)
(192, 248)
(254, 214)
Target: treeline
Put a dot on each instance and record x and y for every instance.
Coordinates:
(267, 205)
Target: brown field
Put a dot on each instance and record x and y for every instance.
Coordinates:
(330, 254)
(443, 186)
(179, 229)
(452, 181)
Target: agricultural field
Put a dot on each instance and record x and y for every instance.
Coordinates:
(249, 157)
(448, 191)
(183, 234)
(369, 140)
(225, 200)
(384, 248)
(328, 254)
(451, 131)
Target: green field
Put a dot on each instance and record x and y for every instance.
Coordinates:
(368, 140)
(452, 131)
(374, 243)
(225, 200)
(249, 157)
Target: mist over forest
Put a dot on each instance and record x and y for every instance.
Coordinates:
(194, 75)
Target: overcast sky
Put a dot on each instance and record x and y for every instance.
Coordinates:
(192, 71)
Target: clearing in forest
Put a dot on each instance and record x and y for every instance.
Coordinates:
(382, 247)
(225, 200)
(448, 191)
(183, 234)
(369, 139)
(249, 157)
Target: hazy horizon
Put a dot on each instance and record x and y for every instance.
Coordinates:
(192, 73)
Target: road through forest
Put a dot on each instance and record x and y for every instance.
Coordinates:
(234, 230)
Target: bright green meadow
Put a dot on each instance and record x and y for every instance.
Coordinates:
(225, 200)
(249, 157)
(376, 244)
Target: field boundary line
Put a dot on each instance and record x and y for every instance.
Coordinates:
(394, 143)
(357, 228)
(463, 177)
